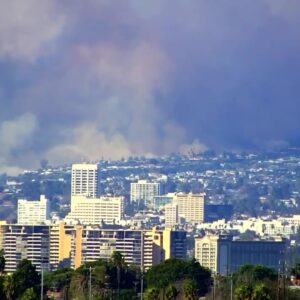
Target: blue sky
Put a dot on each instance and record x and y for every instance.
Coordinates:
(83, 80)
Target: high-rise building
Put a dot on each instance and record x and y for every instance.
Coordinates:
(224, 254)
(88, 210)
(144, 191)
(191, 206)
(171, 214)
(33, 212)
(85, 181)
(143, 248)
(25, 242)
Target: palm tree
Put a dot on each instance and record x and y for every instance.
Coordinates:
(171, 293)
(9, 287)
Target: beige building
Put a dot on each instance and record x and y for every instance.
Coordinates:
(60, 244)
(171, 215)
(191, 206)
(206, 251)
(88, 210)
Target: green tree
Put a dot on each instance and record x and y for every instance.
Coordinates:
(29, 294)
(9, 287)
(177, 270)
(261, 292)
(190, 289)
(2, 261)
(243, 292)
(152, 294)
(171, 292)
(25, 277)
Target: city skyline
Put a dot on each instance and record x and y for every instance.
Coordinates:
(111, 79)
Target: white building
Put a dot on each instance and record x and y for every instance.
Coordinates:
(144, 192)
(84, 180)
(33, 212)
(88, 210)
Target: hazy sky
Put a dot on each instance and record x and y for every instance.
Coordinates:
(82, 80)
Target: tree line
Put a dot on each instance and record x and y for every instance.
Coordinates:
(173, 279)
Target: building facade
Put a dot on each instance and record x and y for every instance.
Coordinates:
(143, 192)
(25, 242)
(33, 212)
(191, 207)
(143, 248)
(88, 210)
(85, 180)
(224, 255)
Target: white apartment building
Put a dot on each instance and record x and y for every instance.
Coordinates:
(33, 212)
(84, 180)
(96, 210)
(191, 206)
(144, 191)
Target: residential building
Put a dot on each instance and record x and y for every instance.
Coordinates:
(171, 214)
(144, 191)
(191, 206)
(25, 242)
(143, 248)
(60, 245)
(33, 212)
(85, 180)
(88, 210)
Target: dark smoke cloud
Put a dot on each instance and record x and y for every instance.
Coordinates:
(92, 79)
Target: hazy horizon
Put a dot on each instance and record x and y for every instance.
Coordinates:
(112, 79)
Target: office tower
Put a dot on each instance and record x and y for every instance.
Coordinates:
(84, 181)
(224, 255)
(171, 214)
(191, 206)
(25, 242)
(96, 210)
(143, 192)
(33, 212)
(143, 248)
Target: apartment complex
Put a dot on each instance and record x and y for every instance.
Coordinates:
(25, 241)
(224, 254)
(85, 180)
(89, 210)
(33, 212)
(144, 191)
(59, 245)
(143, 248)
